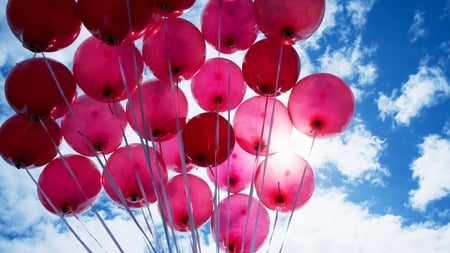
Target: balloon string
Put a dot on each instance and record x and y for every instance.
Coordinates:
(219, 30)
(228, 139)
(275, 223)
(87, 230)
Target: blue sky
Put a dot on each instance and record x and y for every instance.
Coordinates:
(382, 186)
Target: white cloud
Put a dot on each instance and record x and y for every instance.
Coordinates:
(423, 89)
(432, 171)
(358, 10)
(417, 29)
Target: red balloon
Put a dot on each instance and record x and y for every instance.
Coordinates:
(253, 117)
(261, 69)
(170, 153)
(208, 139)
(289, 20)
(116, 21)
(43, 25)
(172, 7)
(103, 72)
(94, 126)
(26, 143)
(219, 85)
(162, 106)
(69, 185)
(128, 171)
(31, 88)
(321, 105)
(235, 230)
(201, 202)
(235, 22)
(176, 43)
(278, 179)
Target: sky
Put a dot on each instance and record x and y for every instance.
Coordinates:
(383, 185)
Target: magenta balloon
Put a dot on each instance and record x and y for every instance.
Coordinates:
(172, 8)
(251, 119)
(219, 85)
(103, 72)
(234, 20)
(128, 169)
(162, 106)
(69, 185)
(201, 202)
(235, 174)
(237, 223)
(321, 105)
(278, 179)
(176, 43)
(170, 153)
(289, 20)
(93, 126)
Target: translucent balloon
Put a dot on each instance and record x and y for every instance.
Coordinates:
(69, 185)
(289, 20)
(321, 105)
(218, 86)
(157, 106)
(170, 152)
(237, 223)
(94, 126)
(172, 7)
(284, 181)
(261, 67)
(44, 25)
(175, 48)
(104, 72)
(132, 171)
(208, 139)
(201, 202)
(26, 143)
(252, 124)
(116, 21)
(31, 88)
(234, 20)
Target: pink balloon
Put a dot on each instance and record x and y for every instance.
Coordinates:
(105, 72)
(201, 202)
(289, 20)
(235, 22)
(278, 179)
(219, 85)
(93, 126)
(69, 185)
(170, 153)
(237, 223)
(162, 106)
(172, 8)
(251, 119)
(321, 105)
(129, 170)
(176, 43)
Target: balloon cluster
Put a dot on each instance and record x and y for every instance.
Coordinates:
(239, 151)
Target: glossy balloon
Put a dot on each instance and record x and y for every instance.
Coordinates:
(69, 185)
(172, 8)
(321, 105)
(170, 151)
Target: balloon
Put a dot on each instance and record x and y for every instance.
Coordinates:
(106, 73)
(289, 20)
(31, 88)
(170, 152)
(201, 202)
(43, 25)
(157, 106)
(208, 139)
(26, 143)
(235, 230)
(176, 43)
(262, 72)
(94, 126)
(133, 171)
(116, 21)
(321, 105)
(172, 7)
(252, 124)
(278, 179)
(69, 185)
(218, 86)
(235, 22)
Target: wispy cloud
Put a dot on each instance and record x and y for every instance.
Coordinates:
(417, 29)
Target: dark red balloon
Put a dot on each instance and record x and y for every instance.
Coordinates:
(26, 143)
(44, 25)
(172, 7)
(69, 185)
(171, 154)
(34, 86)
